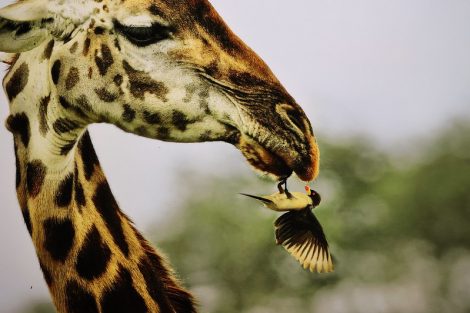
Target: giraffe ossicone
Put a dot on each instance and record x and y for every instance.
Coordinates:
(163, 69)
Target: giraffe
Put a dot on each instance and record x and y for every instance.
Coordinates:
(164, 69)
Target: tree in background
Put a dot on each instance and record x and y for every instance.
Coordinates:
(397, 226)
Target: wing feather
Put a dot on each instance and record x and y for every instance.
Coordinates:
(301, 234)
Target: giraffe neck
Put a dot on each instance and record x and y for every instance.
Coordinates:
(92, 257)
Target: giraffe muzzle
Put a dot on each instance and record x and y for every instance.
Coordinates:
(281, 163)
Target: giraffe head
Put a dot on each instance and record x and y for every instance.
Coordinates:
(165, 69)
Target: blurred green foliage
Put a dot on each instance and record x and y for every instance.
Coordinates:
(398, 227)
(40, 307)
(399, 221)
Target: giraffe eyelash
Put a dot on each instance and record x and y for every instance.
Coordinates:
(144, 35)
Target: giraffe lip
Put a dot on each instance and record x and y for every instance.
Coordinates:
(262, 158)
(280, 163)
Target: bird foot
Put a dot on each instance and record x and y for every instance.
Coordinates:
(284, 190)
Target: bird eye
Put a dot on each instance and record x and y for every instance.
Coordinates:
(144, 35)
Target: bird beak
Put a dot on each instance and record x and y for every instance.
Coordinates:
(264, 200)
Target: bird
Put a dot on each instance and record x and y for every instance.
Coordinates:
(298, 230)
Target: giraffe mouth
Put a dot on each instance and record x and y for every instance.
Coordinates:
(262, 159)
(276, 163)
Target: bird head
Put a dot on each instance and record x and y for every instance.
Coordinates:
(315, 196)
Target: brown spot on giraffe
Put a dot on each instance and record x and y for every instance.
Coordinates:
(43, 105)
(118, 80)
(122, 296)
(86, 46)
(180, 120)
(35, 175)
(151, 118)
(93, 257)
(163, 132)
(190, 90)
(64, 103)
(204, 101)
(88, 155)
(104, 61)
(19, 124)
(59, 238)
(99, 30)
(48, 50)
(206, 136)
(55, 71)
(141, 83)
(74, 47)
(142, 131)
(73, 77)
(106, 205)
(106, 95)
(117, 44)
(79, 300)
(129, 114)
(63, 196)
(154, 285)
(80, 198)
(17, 82)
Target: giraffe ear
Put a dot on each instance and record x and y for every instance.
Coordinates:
(25, 11)
(21, 25)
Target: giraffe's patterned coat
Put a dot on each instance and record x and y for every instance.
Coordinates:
(164, 69)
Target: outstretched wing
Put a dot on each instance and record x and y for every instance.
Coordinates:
(301, 234)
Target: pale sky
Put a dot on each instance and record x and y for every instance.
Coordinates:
(391, 70)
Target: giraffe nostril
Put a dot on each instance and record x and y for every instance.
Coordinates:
(296, 118)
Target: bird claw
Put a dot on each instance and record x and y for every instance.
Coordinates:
(283, 181)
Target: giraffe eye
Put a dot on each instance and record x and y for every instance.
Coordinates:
(144, 35)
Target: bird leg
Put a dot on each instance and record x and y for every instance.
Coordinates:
(284, 190)
(279, 186)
